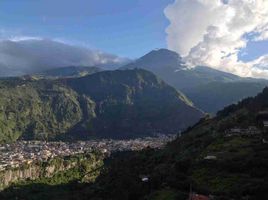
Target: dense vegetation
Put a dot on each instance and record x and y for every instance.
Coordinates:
(131, 103)
(32, 109)
(113, 104)
(238, 172)
(86, 169)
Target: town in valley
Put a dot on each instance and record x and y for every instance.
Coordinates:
(26, 152)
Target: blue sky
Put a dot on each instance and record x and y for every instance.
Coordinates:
(254, 50)
(127, 28)
(225, 36)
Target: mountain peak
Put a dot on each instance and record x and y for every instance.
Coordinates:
(164, 53)
(158, 59)
(162, 56)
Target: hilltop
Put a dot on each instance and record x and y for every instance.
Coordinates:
(110, 104)
(65, 72)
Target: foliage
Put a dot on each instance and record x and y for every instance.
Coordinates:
(113, 104)
(61, 183)
(238, 172)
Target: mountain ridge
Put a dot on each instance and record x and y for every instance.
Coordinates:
(68, 72)
(111, 104)
(168, 65)
(137, 90)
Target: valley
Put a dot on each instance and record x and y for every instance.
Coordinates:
(127, 134)
(134, 100)
(222, 157)
(25, 160)
(26, 152)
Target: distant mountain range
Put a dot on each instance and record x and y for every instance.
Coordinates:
(110, 104)
(208, 88)
(169, 65)
(68, 72)
(221, 157)
(124, 103)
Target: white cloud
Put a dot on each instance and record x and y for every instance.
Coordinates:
(262, 36)
(22, 55)
(22, 38)
(212, 32)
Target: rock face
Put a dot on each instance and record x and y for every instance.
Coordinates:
(110, 104)
(13, 175)
(47, 169)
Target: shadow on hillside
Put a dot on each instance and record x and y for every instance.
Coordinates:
(169, 176)
(39, 191)
(121, 177)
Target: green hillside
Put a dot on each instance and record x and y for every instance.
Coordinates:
(107, 104)
(238, 169)
(205, 158)
(135, 102)
(37, 110)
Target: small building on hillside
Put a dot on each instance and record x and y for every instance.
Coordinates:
(236, 130)
(253, 130)
(144, 178)
(249, 131)
(210, 157)
(262, 119)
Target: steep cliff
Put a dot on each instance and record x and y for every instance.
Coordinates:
(84, 164)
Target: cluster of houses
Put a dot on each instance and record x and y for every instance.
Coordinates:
(262, 120)
(236, 131)
(25, 152)
(260, 128)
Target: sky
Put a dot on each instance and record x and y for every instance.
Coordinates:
(126, 28)
(229, 35)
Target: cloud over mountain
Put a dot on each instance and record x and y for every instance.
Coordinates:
(213, 32)
(27, 55)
